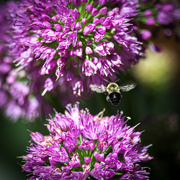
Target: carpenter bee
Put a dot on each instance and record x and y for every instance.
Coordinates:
(112, 91)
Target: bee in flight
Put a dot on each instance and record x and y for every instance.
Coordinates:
(112, 91)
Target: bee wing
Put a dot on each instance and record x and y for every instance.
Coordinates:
(128, 86)
(98, 88)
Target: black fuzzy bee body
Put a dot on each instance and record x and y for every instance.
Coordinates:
(115, 98)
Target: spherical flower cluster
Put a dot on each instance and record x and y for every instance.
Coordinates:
(162, 14)
(81, 41)
(16, 97)
(168, 13)
(83, 146)
(169, 16)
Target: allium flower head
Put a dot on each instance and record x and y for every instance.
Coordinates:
(83, 146)
(168, 13)
(160, 14)
(84, 40)
(16, 98)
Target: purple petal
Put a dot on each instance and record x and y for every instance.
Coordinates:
(103, 11)
(78, 25)
(88, 50)
(87, 160)
(102, 2)
(89, 7)
(101, 30)
(94, 12)
(57, 27)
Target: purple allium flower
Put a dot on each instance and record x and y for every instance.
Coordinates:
(161, 14)
(16, 98)
(91, 40)
(81, 145)
(168, 13)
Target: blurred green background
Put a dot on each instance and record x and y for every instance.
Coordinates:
(154, 103)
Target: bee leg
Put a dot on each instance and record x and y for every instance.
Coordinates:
(108, 98)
